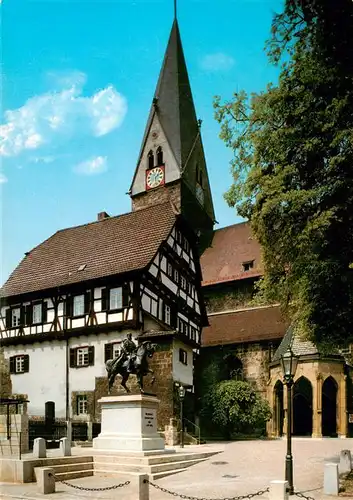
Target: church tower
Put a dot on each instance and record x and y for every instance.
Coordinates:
(171, 163)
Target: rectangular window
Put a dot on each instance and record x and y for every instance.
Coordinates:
(183, 282)
(82, 356)
(15, 317)
(82, 405)
(169, 270)
(115, 298)
(183, 357)
(247, 266)
(176, 275)
(116, 350)
(79, 305)
(37, 313)
(167, 318)
(20, 364)
(186, 245)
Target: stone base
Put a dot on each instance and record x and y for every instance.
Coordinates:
(129, 424)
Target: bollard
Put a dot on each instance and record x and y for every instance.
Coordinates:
(278, 490)
(45, 480)
(143, 487)
(65, 447)
(345, 465)
(331, 480)
(39, 448)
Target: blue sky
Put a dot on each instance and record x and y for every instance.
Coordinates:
(78, 79)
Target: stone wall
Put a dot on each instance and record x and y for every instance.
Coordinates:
(229, 297)
(5, 377)
(156, 196)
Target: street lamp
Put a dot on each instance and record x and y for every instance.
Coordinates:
(181, 397)
(289, 364)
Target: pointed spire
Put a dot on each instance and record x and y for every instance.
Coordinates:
(175, 9)
(173, 101)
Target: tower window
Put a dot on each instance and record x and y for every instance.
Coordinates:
(150, 159)
(198, 174)
(160, 157)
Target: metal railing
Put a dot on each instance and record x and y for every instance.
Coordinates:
(196, 429)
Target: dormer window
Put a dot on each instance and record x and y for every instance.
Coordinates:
(150, 160)
(247, 266)
(160, 157)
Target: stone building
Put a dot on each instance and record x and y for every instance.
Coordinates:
(70, 302)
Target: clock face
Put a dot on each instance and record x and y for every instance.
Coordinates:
(199, 194)
(154, 177)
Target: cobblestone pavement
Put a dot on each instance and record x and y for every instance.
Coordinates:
(242, 467)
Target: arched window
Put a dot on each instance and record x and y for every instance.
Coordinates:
(159, 156)
(150, 159)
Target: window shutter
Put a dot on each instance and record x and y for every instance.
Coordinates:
(8, 318)
(44, 311)
(72, 358)
(126, 294)
(91, 355)
(68, 306)
(22, 315)
(87, 301)
(29, 315)
(104, 299)
(108, 352)
(12, 364)
(26, 363)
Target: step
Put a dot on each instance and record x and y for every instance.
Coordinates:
(66, 460)
(66, 476)
(175, 465)
(73, 467)
(151, 460)
(160, 475)
(118, 466)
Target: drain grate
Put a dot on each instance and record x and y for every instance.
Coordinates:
(230, 476)
(219, 463)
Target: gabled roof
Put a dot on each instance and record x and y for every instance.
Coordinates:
(108, 247)
(231, 247)
(174, 101)
(242, 326)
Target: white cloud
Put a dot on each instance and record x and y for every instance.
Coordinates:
(3, 178)
(217, 62)
(61, 115)
(93, 166)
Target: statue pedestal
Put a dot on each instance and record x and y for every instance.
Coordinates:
(129, 424)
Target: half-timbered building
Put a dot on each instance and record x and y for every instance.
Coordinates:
(73, 298)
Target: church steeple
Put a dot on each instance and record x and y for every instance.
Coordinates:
(171, 162)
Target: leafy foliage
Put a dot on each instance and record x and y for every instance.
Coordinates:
(236, 407)
(293, 166)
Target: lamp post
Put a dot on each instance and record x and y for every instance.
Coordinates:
(181, 397)
(289, 366)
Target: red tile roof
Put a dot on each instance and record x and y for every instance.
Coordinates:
(111, 246)
(246, 325)
(230, 248)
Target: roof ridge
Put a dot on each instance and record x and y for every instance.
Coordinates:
(150, 207)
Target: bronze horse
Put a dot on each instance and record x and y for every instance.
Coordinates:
(138, 366)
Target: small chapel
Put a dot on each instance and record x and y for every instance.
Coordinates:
(162, 273)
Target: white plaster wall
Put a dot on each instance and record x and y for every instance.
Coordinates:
(45, 380)
(182, 373)
(172, 171)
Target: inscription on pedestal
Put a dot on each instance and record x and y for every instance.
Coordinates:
(149, 419)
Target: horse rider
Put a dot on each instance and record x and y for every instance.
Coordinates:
(127, 351)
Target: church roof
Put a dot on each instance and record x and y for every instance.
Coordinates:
(174, 102)
(99, 249)
(242, 326)
(231, 247)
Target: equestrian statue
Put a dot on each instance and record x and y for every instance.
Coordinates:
(131, 360)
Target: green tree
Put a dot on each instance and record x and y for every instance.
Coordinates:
(236, 408)
(293, 167)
